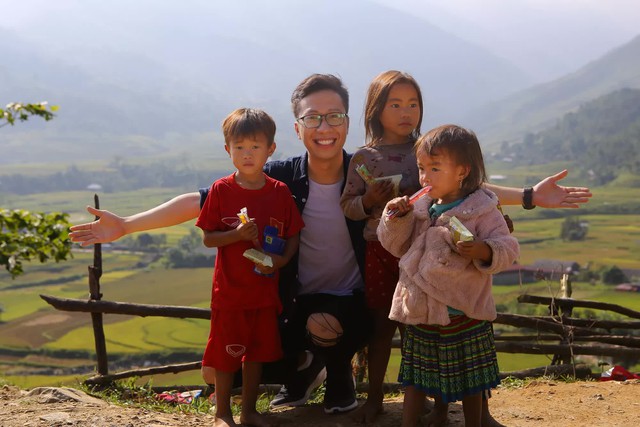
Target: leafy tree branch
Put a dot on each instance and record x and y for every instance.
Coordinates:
(21, 112)
(25, 236)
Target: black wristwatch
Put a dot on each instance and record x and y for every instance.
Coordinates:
(527, 198)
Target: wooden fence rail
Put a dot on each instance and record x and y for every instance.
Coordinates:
(615, 345)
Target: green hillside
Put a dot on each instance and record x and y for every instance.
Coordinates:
(539, 107)
(601, 139)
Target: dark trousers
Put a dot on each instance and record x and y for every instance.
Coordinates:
(352, 314)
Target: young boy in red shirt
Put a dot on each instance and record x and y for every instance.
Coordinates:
(244, 301)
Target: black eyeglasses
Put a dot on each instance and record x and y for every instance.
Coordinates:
(313, 121)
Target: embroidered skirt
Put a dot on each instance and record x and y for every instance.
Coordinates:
(451, 361)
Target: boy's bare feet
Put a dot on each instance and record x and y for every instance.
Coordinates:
(224, 421)
(437, 417)
(256, 419)
(367, 413)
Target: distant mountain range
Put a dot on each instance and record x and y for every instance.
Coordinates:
(541, 106)
(148, 79)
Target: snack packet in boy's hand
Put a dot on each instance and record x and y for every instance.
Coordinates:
(243, 215)
(244, 218)
(272, 243)
(259, 257)
(458, 231)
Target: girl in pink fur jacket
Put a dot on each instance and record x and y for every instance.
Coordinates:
(444, 291)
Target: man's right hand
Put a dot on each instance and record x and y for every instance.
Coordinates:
(107, 228)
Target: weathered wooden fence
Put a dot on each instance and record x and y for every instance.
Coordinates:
(577, 336)
(558, 334)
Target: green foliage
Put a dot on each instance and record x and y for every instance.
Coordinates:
(144, 242)
(129, 394)
(118, 177)
(25, 236)
(18, 111)
(573, 229)
(602, 139)
(613, 276)
(188, 253)
(587, 275)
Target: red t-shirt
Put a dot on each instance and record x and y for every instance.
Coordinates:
(235, 284)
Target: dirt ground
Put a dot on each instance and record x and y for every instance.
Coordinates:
(539, 403)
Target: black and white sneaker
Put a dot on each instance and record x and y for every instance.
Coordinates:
(340, 396)
(310, 375)
(338, 407)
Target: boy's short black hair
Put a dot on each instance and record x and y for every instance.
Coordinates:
(316, 83)
(246, 123)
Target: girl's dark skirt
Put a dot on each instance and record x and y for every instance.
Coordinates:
(451, 361)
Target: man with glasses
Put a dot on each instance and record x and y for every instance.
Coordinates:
(325, 280)
(324, 321)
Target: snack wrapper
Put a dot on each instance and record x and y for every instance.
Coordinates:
(244, 218)
(243, 215)
(365, 174)
(259, 257)
(458, 231)
(395, 180)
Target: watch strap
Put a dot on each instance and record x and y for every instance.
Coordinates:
(527, 198)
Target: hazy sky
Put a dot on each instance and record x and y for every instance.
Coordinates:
(564, 34)
(549, 38)
(157, 50)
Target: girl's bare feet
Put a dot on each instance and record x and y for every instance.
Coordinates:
(489, 421)
(437, 417)
(487, 418)
(224, 421)
(367, 413)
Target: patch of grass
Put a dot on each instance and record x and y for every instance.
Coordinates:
(169, 380)
(33, 381)
(610, 241)
(140, 335)
(129, 393)
(517, 383)
(508, 362)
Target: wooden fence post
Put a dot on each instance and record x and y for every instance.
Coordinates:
(95, 272)
(566, 312)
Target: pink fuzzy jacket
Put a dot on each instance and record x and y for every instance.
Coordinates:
(432, 274)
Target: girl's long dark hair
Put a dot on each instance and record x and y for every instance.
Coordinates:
(377, 96)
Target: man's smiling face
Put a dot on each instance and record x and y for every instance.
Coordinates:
(324, 142)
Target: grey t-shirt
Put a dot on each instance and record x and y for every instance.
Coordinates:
(326, 263)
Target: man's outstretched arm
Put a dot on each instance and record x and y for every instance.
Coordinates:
(109, 226)
(547, 193)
